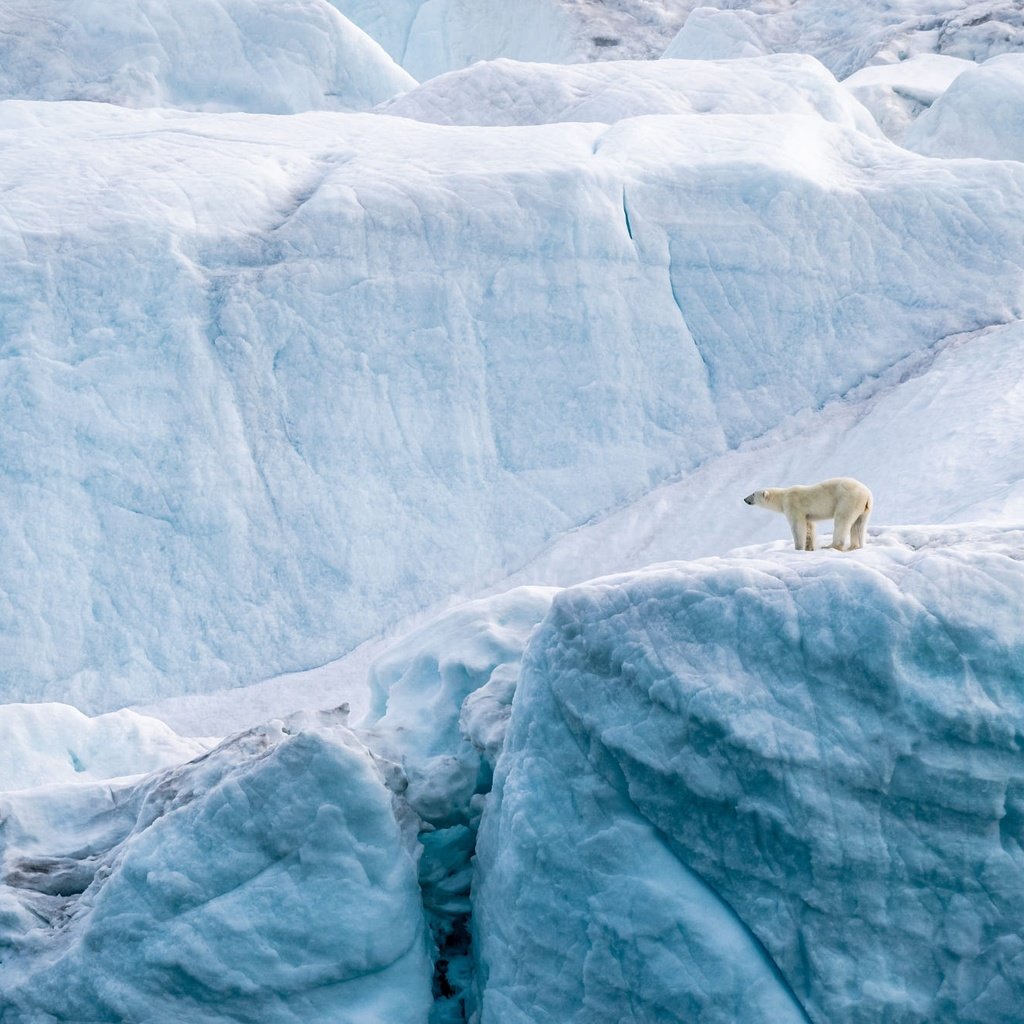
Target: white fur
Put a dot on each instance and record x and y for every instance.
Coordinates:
(842, 499)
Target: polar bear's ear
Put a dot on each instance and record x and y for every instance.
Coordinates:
(764, 494)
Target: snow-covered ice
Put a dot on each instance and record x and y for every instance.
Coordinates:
(281, 383)
(273, 879)
(256, 55)
(506, 92)
(936, 437)
(896, 94)
(47, 744)
(981, 114)
(760, 786)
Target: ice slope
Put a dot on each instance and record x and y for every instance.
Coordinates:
(506, 92)
(766, 786)
(276, 56)
(47, 744)
(270, 880)
(936, 437)
(846, 37)
(980, 115)
(272, 384)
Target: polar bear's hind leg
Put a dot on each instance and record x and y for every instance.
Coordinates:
(842, 528)
(811, 536)
(860, 526)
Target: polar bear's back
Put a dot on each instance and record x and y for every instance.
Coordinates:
(823, 500)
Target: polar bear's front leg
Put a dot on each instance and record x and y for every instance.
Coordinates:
(812, 536)
(800, 527)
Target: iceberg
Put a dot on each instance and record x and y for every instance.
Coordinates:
(981, 114)
(771, 786)
(252, 55)
(272, 879)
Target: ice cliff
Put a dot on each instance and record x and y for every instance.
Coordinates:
(767, 787)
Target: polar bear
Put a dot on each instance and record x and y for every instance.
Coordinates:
(843, 499)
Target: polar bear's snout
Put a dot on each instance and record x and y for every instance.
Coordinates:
(749, 499)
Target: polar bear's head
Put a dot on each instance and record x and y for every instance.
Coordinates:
(770, 499)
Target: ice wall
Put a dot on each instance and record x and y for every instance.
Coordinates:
(270, 384)
(767, 786)
(430, 37)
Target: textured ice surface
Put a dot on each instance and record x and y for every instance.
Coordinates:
(419, 713)
(267, 881)
(980, 115)
(273, 383)
(256, 55)
(43, 744)
(773, 776)
(896, 94)
(847, 36)
(505, 92)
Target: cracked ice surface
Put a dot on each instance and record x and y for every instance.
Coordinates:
(761, 785)
(272, 384)
(271, 880)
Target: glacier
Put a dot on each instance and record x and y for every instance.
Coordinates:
(504, 93)
(981, 114)
(433, 403)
